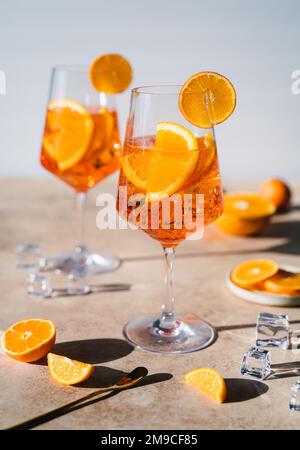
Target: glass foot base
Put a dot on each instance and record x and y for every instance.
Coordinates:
(83, 262)
(191, 334)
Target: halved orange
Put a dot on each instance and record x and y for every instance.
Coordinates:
(110, 73)
(68, 132)
(68, 371)
(283, 283)
(247, 205)
(253, 271)
(162, 169)
(208, 381)
(245, 213)
(206, 99)
(29, 340)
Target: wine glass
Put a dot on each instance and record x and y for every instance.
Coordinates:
(171, 180)
(80, 146)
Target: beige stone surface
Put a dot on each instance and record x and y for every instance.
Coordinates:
(90, 327)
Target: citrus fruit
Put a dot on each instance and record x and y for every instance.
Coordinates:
(110, 73)
(245, 214)
(29, 340)
(68, 132)
(162, 169)
(208, 381)
(206, 99)
(283, 283)
(277, 192)
(103, 129)
(68, 371)
(253, 271)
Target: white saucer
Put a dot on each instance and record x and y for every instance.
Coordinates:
(263, 298)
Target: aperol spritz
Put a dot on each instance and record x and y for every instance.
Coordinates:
(170, 173)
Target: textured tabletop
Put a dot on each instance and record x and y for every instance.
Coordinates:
(89, 328)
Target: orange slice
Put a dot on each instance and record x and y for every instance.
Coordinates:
(253, 271)
(206, 99)
(103, 130)
(29, 340)
(283, 283)
(68, 371)
(162, 169)
(110, 73)
(208, 381)
(68, 132)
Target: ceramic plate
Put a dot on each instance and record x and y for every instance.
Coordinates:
(264, 298)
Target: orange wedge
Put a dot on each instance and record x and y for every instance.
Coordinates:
(208, 381)
(68, 132)
(29, 340)
(206, 99)
(175, 154)
(253, 271)
(283, 283)
(68, 371)
(110, 73)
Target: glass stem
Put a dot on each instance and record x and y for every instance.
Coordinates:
(81, 206)
(168, 321)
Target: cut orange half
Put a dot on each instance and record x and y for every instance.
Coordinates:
(283, 283)
(29, 340)
(68, 371)
(68, 132)
(247, 205)
(110, 73)
(206, 99)
(162, 169)
(208, 381)
(253, 271)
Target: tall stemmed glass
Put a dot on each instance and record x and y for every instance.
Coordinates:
(81, 147)
(170, 187)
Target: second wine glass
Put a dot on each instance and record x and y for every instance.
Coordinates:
(81, 147)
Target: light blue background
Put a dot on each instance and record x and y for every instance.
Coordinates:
(255, 43)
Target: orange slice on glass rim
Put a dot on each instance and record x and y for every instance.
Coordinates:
(68, 132)
(68, 371)
(29, 340)
(110, 73)
(162, 169)
(208, 381)
(253, 271)
(206, 99)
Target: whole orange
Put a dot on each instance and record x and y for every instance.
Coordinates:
(277, 192)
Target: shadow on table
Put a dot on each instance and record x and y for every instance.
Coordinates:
(285, 370)
(106, 376)
(95, 289)
(192, 255)
(240, 390)
(92, 351)
(244, 326)
(287, 229)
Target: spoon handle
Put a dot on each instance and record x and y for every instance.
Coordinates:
(42, 418)
(127, 381)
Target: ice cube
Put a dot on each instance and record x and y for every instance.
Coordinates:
(256, 362)
(272, 330)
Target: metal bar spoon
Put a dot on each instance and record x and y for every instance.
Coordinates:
(125, 382)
